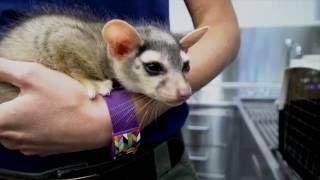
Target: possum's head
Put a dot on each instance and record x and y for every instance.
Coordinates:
(150, 61)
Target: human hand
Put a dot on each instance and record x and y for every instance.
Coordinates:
(52, 113)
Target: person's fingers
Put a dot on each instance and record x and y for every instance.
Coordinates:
(18, 73)
(12, 139)
(29, 152)
(8, 145)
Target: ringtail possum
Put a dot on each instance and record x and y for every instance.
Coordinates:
(144, 59)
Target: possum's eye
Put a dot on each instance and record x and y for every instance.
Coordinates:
(186, 67)
(153, 68)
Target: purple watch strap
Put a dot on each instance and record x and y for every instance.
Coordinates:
(126, 133)
(121, 110)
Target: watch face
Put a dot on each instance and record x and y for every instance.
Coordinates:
(299, 123)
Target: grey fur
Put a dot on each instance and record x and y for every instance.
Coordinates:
(162, 46)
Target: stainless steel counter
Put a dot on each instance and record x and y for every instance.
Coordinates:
(236, 140)
(260, 117)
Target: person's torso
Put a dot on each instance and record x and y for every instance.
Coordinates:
(155, 10)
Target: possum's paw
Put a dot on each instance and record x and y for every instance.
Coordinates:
(91, 87)
(92, 93)
(95, 87)
(104, 87)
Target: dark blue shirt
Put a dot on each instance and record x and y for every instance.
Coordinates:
(166, 126)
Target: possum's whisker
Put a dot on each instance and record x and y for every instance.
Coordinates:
(121, 105)
(139, 96)
(150, 114)
(144, 107)
(130, 115)
(127, 110)
(147, 115)
(145, 110)
(142, 124)
(156, 111)
(146, 101)
(123, 109)
(127, 102)
(141, 109)
(149, 118)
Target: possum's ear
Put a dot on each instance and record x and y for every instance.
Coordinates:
(192, 37)
(122, 39)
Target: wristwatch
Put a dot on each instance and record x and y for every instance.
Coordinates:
(125, 129)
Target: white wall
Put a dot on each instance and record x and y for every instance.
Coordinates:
(180, 20)
(276, 12)
(253, 13)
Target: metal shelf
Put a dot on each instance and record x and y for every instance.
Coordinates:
(262, 116)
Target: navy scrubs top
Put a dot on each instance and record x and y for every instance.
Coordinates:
(168, 124)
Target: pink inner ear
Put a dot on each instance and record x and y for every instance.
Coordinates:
(122, 47)
(121, 37)
(193, 37)
(122, 50)
(186, 45)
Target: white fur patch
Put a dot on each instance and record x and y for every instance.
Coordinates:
(150, 55)
(184, 56)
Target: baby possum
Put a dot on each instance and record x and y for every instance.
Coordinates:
(144, 59)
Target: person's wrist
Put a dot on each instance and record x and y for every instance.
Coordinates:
(99, 122)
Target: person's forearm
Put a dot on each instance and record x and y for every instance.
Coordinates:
(209, 56)
(220, 44)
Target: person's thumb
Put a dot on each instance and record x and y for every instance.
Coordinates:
(17, 73)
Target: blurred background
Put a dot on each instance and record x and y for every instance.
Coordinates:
(246, 124)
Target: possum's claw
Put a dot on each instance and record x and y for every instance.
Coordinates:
(95, 87)
(91, 92)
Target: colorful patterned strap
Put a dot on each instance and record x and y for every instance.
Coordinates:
(126, 142)
(126, 133)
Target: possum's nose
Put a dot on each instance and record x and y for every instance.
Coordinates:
(184, 93)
